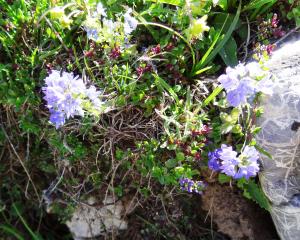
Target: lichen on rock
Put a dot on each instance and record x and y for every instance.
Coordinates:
(280, 137)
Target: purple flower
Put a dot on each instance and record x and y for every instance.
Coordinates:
(229, 160)
(228, 82)
(243, 82)
(67, 95)
(60, 93)
(92, 33)
(191, 186)
(255, 70)
(248, 163)
(101, 10)
(57, 118)
(93, 95)
(265, 86)
(214, 160)
(130, 23)
(227, 153)
(239, 95)
(226, 160)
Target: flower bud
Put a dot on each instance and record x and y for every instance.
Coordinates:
(57, 13)
(65, 21)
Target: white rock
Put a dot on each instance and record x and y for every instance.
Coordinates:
(280, 178)
(90, 221)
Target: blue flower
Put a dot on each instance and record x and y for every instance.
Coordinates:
(57, 118)
(265, 86)
(248, 163)
(93, 95)
(66, 95)
(92, 33)
(229, 81)
(214, 162)
(130, 23)
(101, 10)
(240, 94)
(191, 186)
(244, 81)
(226, 160)
(229, 160)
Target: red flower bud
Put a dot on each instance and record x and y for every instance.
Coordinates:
(89, 53)
(115, 53)
(169, 47)
(156, 50)
(198, 156)
(275, 21)
(206, 129)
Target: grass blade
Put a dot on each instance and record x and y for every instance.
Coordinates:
(221, 44)
(256, 4)
(212, 96)
(12, 231)
(171, 2)
(164, 85)
(33, 235)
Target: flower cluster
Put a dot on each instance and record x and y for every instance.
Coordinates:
(205, 129)
(267, 29)
(191, 186)
(130, 23)
(244, 81)
(192, 146)
(67, 96)
(115, 53)
(100, 28)
(270, 28)
(143, 69)
(262, 49)
(226, 160)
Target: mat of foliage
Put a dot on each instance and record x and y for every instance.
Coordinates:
(122, 98)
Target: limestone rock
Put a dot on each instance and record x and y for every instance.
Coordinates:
(280, 137)
(90, 221)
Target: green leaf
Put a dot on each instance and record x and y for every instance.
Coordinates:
(223, 178)
(229, 53)
(223, 4)
(256, 4)
(33, 235)
(202, 70)
(231, 118)
(180, 156)
(207, 58)
(222, 21)
(164, 85)
(179, 171)
(256, 194)
(171, 163)
(226, 128)
(212, 96)
(235, 113)
(34, 57)
(171, 2)
(225, 117)
(237, 129)
(11, 231)
(263, 151)
(255, 130)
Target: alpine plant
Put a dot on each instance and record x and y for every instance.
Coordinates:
(68, 96)
(225, 160)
